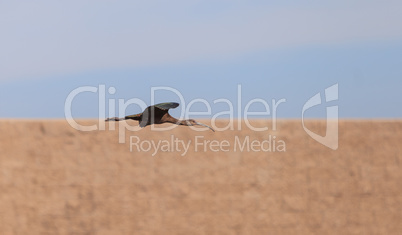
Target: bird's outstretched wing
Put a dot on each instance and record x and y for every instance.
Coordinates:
(155, 112)
(166, 106)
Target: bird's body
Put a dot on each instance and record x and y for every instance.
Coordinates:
(158, 114)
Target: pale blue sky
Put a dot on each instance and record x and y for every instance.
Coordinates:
(204, 49)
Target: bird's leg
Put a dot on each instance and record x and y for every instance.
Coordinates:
(116, 119)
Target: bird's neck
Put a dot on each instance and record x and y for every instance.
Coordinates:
(182, 122)
(173, 120)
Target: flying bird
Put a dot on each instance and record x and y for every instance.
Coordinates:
(158, 114)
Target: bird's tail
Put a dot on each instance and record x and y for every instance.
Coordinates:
(116, 119)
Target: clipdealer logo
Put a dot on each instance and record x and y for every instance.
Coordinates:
(270, 144)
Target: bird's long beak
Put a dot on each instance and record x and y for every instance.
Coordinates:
(201, 124)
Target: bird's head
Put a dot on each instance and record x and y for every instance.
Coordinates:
(192, 122)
